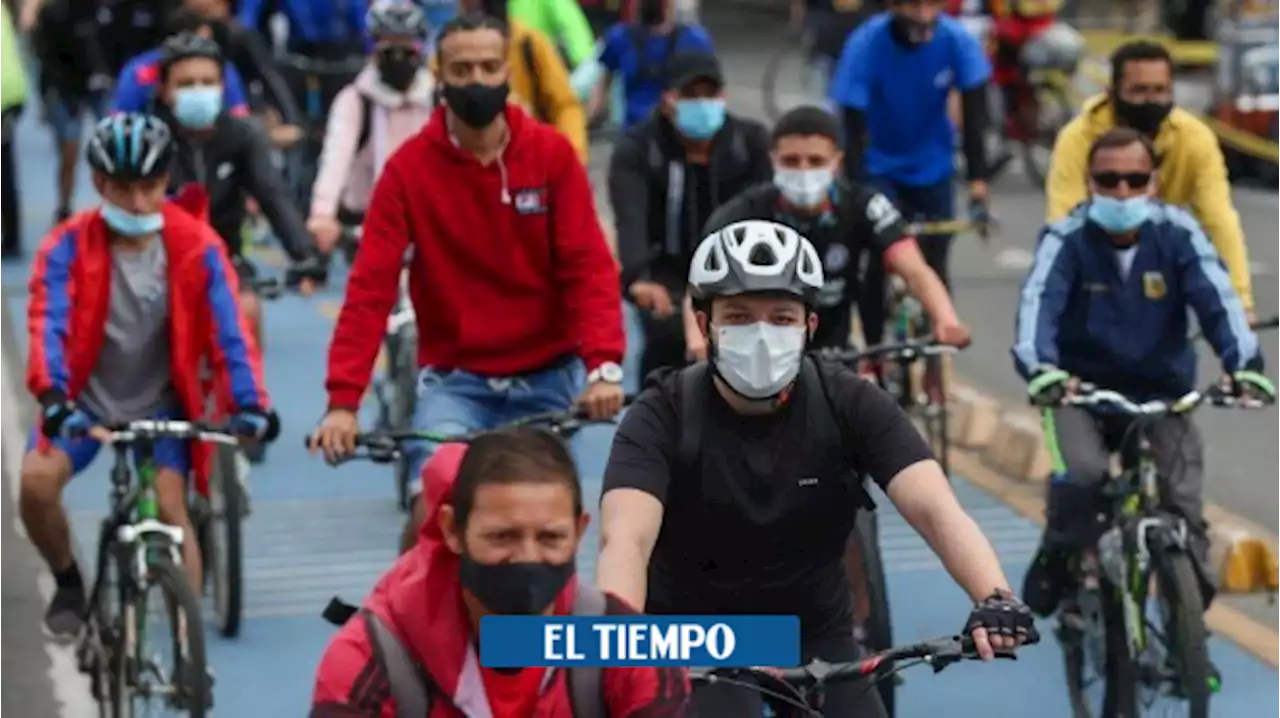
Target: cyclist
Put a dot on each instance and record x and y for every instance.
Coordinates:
(638, 54)
(370, 118)
(1193, 173)
(666, 176)
(231, 159)
(538, 76)
(12, 98)
(136, 87)
(826, 25)
(701, 513)
(1106, 302)
(843, 220)
(515, 292)
(893, 81)
(480, 554)
(127, 300)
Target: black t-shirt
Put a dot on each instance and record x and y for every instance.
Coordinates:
(760, 525)
(861, 221)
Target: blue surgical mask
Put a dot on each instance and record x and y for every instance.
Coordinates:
(699, 119)
(197, 107)
(128, 224)
(1119, 215)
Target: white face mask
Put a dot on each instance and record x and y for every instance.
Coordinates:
(759, 360)
(804, 188)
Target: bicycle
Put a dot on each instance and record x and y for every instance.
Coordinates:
(396, 391)
(1104, 629)
(136, 554)
(802, 688)
(319, 78)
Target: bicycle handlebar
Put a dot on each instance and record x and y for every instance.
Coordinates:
(938, 652)
(1089, 395)
(903, 351)
(128, 432)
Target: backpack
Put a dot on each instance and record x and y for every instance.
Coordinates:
(411, 688)
(366, 121)
(692, 402)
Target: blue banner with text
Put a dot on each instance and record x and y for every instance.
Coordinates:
(511, 641)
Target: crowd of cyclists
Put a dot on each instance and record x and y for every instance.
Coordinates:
(460, 148)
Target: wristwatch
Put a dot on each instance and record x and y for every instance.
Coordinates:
(608, 372)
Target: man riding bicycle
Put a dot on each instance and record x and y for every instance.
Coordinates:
(1193, 173)
(501, 539)
(1106, 303)
(732, 485)
(128, 300)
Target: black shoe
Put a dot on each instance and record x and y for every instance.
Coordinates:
(1045, 581)
(65, 617)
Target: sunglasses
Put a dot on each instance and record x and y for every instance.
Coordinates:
(1111, 180)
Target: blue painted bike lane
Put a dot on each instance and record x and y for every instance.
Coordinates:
(318, 531)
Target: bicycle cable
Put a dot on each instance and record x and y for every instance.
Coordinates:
(754, 685)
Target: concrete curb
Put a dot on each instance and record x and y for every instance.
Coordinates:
(1010, 443)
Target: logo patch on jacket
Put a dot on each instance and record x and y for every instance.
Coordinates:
(531, 201)
(1153, 286)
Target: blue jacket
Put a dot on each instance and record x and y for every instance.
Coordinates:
(140, 77)
(311, 21)
(1079, 314)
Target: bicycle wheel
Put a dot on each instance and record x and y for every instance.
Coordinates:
(404, 402)
(224, 539)
(879, 625)
(1093, 638)
(1050, 112)
(934, 413)
(1175, 664)
(144, 684)
(787, 71)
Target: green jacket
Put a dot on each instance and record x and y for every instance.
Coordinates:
(560, 20)
(13, 81)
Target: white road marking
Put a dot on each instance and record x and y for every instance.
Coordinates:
(70, 686)
(1014, 258)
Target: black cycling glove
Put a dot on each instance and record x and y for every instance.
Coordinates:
(312, 268)
(1003, 614)
(1048, 387)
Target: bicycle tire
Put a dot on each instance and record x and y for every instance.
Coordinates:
(1114, 675)
(1046, 95)
(935, 412)
(771, 79)
(194, 673)
(227, 511)
(1188, 645)
(879, 626)
(404, 404)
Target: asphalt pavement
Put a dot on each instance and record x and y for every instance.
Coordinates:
(317, 532)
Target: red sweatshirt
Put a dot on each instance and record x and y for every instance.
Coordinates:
(510, 267)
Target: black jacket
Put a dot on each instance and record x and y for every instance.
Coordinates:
(657, 230)
(233, 164)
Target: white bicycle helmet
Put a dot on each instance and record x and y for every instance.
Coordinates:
(756, 256)
(396, 18)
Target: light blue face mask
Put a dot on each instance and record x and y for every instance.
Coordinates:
(197, 107)
(1119, 215)
(700, 118)
(127, 224)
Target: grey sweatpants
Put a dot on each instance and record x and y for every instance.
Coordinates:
(1081, 444)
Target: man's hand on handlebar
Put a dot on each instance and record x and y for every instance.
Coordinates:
(1000, 622)
(952, 333)
(1249, 386)
(326, 230)
(652, 297)
(336, 435)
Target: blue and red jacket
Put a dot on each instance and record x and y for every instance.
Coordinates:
(140, 77)
(70, 290)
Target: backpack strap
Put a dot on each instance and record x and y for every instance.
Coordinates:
(586, 683)
(824, 422)
(366, 121)
(531, 64)
(692, 414)
(409, 686)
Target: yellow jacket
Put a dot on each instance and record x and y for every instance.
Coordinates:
(544, 89)
(1193, 175)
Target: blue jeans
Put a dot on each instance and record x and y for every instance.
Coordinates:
(929, 203)
(458, 402)
(172, 454)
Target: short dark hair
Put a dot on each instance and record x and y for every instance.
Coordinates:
(466, 23)
(1121, 137)
(807, 121)
(1137, 51)
(513, 456)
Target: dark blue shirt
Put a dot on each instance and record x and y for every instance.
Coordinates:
(643, 71)
(902, 92)
(312, 21)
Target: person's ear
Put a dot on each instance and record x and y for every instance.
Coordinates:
(99, 183)
(450, 529)
(1154, 188)
(583, 522)
(812, 322)
(837, 164)
(669, 102)
(704, 322)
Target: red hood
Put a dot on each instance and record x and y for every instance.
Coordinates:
(421, 597)
(194, 199)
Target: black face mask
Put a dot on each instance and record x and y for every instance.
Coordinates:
(398, 67)
(909, 31)
(1145, 117)
(476, 105)
(652, 12)
(516, 589)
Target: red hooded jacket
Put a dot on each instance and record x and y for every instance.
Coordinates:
(70, 291)
(510, 266)
(420, 599)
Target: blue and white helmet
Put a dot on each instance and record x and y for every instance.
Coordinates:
(131, 146)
